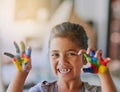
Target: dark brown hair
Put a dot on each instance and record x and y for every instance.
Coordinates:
(74, 32)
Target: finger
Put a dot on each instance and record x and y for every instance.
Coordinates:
(28, 51)
(91, 60)
(88, 58)
(88, 70)
(22, 47)
(88, 51)
(17, 50)
(84, 61)
(9, 54)
(81, 52)
(27, 55)
(104, 61)
(27, 66)
(98, 54)
(92, 53)
(107, 60)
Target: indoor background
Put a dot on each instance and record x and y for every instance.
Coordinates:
(31, 20)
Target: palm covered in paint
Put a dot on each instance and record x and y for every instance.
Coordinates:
(22, 58)
(97, 64)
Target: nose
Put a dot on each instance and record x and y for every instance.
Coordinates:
(62, 60)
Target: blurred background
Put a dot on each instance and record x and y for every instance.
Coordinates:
(31, 21)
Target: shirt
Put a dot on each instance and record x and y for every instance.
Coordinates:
(52, 87)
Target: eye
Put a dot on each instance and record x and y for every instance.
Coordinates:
(71, 53)
(55, 55)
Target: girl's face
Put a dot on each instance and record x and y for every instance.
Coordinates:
(65, 61)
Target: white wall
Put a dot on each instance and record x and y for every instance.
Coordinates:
(97, 11)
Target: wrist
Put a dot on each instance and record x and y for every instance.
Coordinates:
(22, 73)
(105, 74)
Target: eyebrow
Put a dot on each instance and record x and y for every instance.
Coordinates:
(66, 50)
(72, 50)
(53, 50)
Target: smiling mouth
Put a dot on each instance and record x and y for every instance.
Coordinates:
(64, 71)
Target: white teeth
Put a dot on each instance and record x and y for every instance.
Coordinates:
(64, 70)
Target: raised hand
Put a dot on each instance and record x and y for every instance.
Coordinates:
(22, 58)
(97, 63)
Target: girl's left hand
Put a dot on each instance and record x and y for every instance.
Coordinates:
(97, 64)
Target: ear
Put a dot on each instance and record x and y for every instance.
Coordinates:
(84, 61)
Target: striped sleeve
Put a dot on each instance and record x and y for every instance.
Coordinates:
(91, 88)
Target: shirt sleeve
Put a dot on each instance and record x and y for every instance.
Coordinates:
(36, 88)
(92, 88)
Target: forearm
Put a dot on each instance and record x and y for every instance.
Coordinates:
(17, 83)
(107, 83)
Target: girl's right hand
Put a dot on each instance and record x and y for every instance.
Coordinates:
(22, 59)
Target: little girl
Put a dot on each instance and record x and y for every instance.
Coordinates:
(68, 53)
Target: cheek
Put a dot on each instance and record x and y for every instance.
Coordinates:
(78, 64)
(54, 67)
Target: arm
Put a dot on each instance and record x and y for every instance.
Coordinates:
(107, 82)
(98, 65)
(22, 62)
(17, 83)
